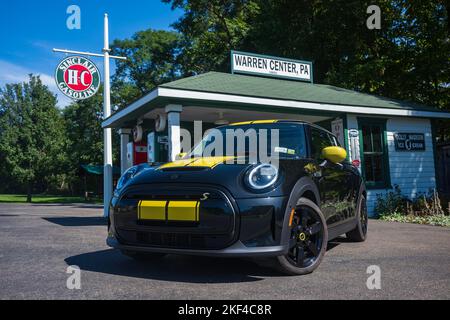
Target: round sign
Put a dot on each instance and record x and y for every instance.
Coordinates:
(77, 77)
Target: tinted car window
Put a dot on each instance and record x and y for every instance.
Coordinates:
(291, 140)
(320, 139)
(334, 141)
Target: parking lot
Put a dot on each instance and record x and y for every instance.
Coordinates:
(39, 242)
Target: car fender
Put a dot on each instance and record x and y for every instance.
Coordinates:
(303, 185)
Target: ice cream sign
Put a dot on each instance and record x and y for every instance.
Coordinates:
(409, 141)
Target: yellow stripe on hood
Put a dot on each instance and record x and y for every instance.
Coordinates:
(209, 162)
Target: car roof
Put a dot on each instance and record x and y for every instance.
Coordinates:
(277, 121)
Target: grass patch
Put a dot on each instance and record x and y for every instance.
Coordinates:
(19, 198)
(434, 220)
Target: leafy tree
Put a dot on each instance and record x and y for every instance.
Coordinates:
(210, 29)
(152, 60)
(83, 120)
(407, 59)
(32, 134)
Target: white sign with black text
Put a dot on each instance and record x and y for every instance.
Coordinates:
(249, 63)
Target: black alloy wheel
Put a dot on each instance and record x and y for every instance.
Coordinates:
(308, 239)
(359, 233)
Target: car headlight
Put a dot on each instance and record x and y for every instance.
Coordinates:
(127, 176)
(262, 176)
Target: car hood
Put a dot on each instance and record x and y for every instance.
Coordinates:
(224, 172)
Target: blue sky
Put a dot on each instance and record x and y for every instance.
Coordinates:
(29, 30)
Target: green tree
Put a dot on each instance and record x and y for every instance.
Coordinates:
(83, 120)
(32, 134)
(407, 59)
(210, 29)
(151, 60)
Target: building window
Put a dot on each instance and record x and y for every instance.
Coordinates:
(374, 152)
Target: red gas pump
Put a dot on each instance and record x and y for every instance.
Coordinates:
(137, 153)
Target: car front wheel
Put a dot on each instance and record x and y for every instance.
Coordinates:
(308, 240)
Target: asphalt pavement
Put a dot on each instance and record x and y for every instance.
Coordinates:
(39, 242)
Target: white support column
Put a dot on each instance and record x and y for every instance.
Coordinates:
(124, 139)
(173, 123)
(108, 165)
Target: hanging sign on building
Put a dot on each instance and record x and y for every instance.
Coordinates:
(250, 63)
(337, 128)
(77, 77)
(409, 141)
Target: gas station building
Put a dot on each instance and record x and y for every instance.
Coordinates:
(390, 141)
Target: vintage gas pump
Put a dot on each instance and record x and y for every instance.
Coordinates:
(137, 150)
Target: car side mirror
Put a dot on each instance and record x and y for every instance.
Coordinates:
(334, 154)
(180, 156)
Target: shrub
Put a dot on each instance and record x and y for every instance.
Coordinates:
(390, 203)
(424, 208)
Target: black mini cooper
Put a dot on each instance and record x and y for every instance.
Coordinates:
(233, 207)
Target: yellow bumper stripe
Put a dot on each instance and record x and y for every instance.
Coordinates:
(176, 210)
(152, 210)
(183, 211)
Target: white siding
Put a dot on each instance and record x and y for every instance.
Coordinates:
(414, 171)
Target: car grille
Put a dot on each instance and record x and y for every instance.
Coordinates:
(215, 228)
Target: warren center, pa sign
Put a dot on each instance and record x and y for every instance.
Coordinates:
(77, 77)
(250, 63)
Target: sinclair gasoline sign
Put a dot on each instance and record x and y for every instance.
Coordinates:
(409, 141)
(77, 77)
(250, 63)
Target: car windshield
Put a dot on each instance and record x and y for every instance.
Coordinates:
(284, 140)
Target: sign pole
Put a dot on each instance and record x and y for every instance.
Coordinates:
(107, 148)
(107, 169)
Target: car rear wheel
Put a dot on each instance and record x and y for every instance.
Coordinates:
(359, 234)
(307, 242)
(142, 256)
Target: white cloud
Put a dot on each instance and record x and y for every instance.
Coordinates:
(12, 73)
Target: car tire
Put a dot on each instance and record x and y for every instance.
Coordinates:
(286, 263)
(143, 256)
(359, 234)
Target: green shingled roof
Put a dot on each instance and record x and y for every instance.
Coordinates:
(260, 87)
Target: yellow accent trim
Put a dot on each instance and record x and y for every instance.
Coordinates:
(152, 210)
(253, 122)
(291, 217)
(264, 121)
(209, 162)
(240, 123)
(178, 163)
(183, 211)
(334, 154)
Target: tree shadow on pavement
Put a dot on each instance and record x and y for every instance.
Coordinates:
(191, 269)
(78, 221)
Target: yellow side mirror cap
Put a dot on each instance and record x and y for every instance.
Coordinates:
(181, 155)
(334, 154)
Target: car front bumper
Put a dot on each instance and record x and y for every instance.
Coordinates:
(226, 227)
(238, 249)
